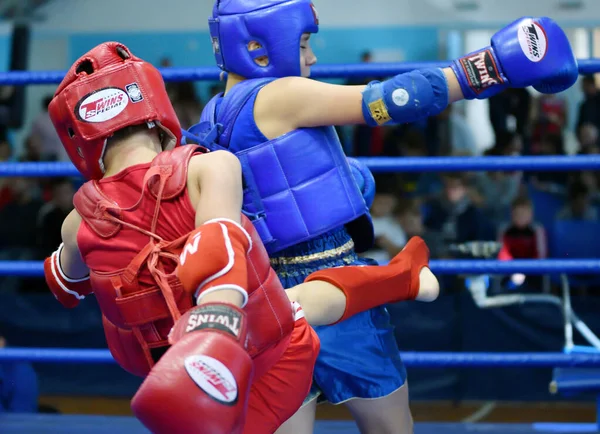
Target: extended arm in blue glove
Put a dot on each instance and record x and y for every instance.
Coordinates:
(528, 52)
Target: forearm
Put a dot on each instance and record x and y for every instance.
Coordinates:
(454, 91)
(230, 296)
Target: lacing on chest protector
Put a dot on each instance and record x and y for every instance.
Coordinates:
(164, 180)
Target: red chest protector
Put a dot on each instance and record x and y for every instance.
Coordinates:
(137, 318)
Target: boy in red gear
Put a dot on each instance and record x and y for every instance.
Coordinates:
(187, 294)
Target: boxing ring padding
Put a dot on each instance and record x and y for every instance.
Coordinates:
(99, 424)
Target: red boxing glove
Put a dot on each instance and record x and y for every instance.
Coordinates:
(66, 290)
(214, 258)
(202, 383)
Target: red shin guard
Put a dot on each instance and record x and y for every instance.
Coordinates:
(367, 287)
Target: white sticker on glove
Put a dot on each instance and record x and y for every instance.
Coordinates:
(102, 106)
(213, 377)
(400, 97)
(532, 39)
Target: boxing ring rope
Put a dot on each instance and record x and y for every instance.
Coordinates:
(411, 359)
(587, 359)
(379, 165)
(22, 78)
(455, 266)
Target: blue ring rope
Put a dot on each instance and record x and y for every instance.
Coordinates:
(378, 164)
(455, 266)
(22, 78)
(411, 359)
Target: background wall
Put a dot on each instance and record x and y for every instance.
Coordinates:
(139, 15)
(393, 30)
(5, 38)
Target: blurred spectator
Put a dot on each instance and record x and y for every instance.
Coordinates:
(453, 218)
(367, 141)
(5, 148)
(449, 133)
(589, 109)
(523, 238)
(430, 184)
(578, 205)
(32, 151)
(551, 116)
(410, 216)
(550, 144)
(184, 98)
(186, 103)
(18, 218)
(404, 141)
(6, 94)
(588, 139)
(43, 138)
(389, 236)
(509, 111)
(18, 235)
(18, 386)
(5, 155)
(507, 143)
(52, 215)
(494, 191)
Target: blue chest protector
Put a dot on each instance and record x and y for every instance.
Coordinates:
(297, 186)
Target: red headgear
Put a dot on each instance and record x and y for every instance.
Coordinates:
(106, 90)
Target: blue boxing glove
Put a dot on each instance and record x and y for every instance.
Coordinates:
(364, 179)
(528, 52)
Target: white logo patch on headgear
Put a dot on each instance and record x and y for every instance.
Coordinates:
(213, 377)
(102, 105)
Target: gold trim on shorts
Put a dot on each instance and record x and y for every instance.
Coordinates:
(327, 254)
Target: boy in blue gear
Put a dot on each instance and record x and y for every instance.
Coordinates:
(305, 198)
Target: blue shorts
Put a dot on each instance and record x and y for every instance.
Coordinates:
(359, 357)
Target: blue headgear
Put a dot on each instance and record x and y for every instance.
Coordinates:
(277, 25)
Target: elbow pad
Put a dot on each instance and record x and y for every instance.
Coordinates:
(214, 258)
(405, 98)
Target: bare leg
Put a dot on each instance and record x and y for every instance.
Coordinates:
(302, 422)
(322, 302)
(387, 415)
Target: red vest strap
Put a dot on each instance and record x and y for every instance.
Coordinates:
(99, 211)
(95, 209)
(178, 159)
